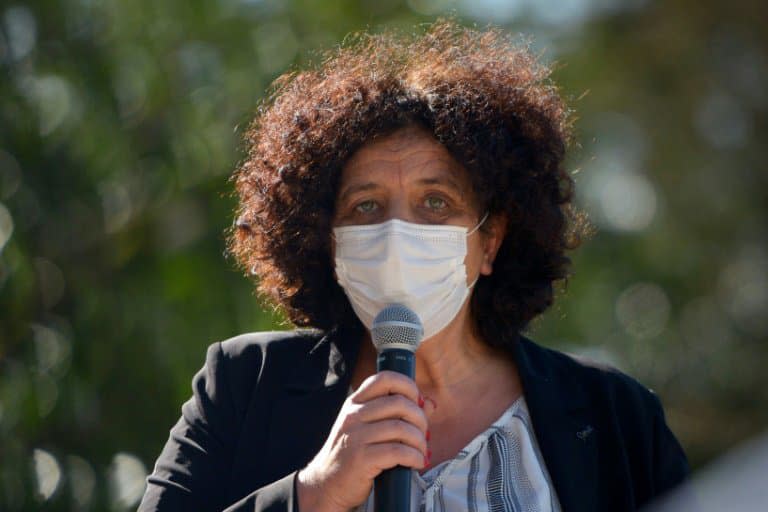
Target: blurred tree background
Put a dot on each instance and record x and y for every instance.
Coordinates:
(119, 126)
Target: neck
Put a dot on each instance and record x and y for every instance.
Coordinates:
(456, 367)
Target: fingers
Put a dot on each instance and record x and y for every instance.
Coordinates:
(388, 419)
(393, 406)
(389, 455)
(386, 383)
(391, 431)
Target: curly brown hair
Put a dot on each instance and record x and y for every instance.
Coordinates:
(487, 99)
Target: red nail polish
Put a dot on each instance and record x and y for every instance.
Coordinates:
(428, 436)
(429, 454)
(421, 401)
(426, 462)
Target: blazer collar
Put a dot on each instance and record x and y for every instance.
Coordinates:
(328, 362)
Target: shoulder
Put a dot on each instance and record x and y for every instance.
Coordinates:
(250, 352)
(630, 416)
(253, 347)
(239, 364)
(601, 384)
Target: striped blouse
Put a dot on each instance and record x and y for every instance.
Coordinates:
(499, 470)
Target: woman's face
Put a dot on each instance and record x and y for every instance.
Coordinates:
(410, 176)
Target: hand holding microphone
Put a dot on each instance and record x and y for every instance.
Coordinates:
(379, 432)
(396, 334)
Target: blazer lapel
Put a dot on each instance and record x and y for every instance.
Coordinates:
(305, 408)
(565, 431)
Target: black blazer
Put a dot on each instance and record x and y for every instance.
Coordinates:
(264, 403)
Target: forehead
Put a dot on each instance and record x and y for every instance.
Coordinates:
(410, 151)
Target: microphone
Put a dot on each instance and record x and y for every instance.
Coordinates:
(396, 333)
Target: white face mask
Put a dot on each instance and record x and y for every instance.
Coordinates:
(420, 266)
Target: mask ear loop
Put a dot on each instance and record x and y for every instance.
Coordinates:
(470, 286)
(478, 224)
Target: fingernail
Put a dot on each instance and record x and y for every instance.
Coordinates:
(429, 454)
(421, 401)
(426, 462)
(428, 436)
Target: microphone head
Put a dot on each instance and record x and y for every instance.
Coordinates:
(396, 326)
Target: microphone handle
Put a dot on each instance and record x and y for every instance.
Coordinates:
(392, 488)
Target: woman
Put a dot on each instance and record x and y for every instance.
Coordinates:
(428, 172)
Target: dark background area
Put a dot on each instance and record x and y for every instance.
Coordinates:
(119, 127)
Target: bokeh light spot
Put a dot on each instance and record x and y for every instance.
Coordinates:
(743, 290)
(116, 204)
(10, 175)
(6, 226)
(722, 121)
(53, 350)
(82, 481)
(617, 194)
(53, 98)
(47, 473)
(50, 281)
(47, 392)
(130, 83)
(643, 310)
(127, 476)
(21, 30)
(627, 201)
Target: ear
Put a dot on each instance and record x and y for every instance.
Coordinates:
(493, 236)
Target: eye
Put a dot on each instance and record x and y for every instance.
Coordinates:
(435, 203)
(366, 206)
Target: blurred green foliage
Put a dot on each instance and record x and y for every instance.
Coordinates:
(119, 125)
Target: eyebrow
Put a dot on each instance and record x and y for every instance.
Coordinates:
(436, 180)
(441, 180)
(352, 189)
